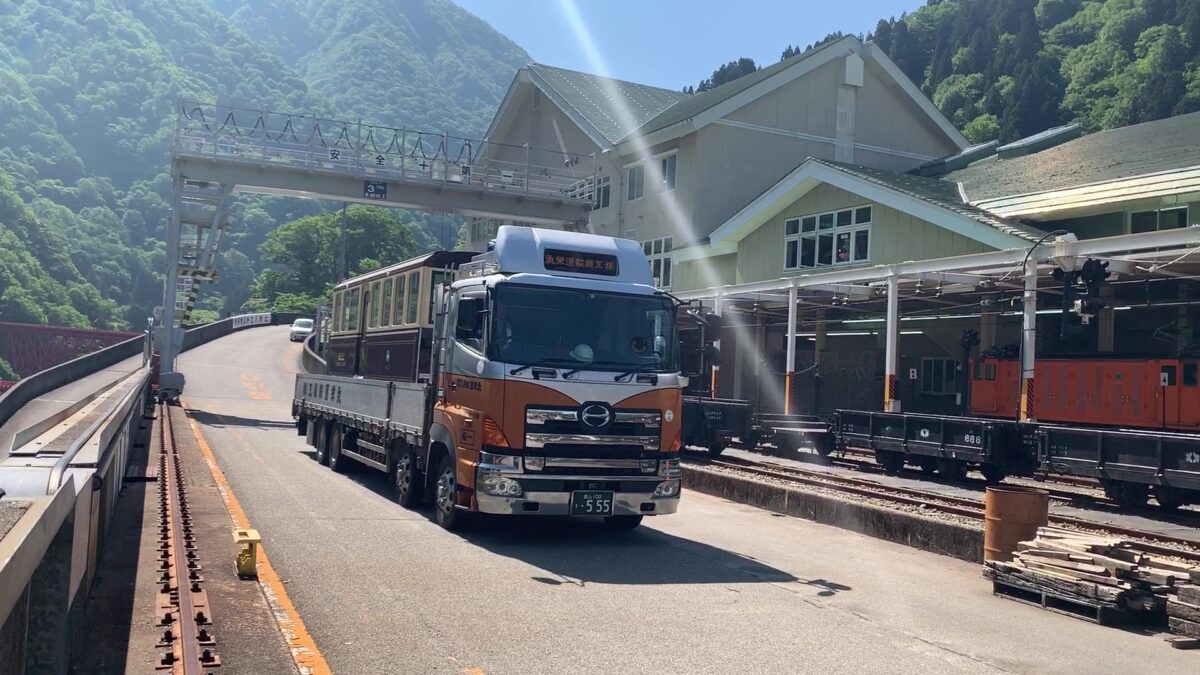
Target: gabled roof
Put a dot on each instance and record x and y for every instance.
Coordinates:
(932, 200)
(698, 103)
(1165, 145)
(613, 108)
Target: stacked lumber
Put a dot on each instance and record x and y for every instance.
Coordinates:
(1106, 574)
(1183, 616)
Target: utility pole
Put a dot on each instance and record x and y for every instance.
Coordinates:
(342, 257)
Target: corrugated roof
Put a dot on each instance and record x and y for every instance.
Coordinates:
(613, 107)
(939, 192)
(1140, 149)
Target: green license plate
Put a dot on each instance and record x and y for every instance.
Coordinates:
(592, 503)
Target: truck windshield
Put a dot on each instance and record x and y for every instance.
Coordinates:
(577, 328)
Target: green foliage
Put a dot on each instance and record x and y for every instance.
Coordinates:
(304, 255)
(1014, 68)
(87, 101)
(7, 372)
(727, 73)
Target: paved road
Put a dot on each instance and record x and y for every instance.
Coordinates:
(718, 587)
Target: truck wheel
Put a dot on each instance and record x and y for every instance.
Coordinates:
(714, 450)
(337, 438)
(622, 523)
(992, 473)
(448, 515)
(407, 480)
(321, 443)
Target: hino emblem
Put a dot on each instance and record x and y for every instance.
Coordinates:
(596, 416)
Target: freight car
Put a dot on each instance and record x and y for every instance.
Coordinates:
(1137, 413)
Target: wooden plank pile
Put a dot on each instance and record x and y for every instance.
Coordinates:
(1183, 616)
(1102, 579)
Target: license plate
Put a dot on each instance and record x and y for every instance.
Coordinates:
(592, 503)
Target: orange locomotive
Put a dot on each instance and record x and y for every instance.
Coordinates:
(544, 379)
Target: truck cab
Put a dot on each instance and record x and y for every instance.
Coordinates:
(558, 385)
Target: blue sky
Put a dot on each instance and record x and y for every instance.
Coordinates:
(672, 43)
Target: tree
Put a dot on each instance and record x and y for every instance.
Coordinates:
(7, 372)
(728, 73)
(883, 35)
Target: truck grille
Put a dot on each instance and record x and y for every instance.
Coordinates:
(566, 428)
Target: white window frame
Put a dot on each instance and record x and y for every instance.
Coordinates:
(670, 173)
(603, 195)
(629, 182)
(810, 227)
(939, 388)
(659, 251)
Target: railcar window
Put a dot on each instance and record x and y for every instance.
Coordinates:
(1189, 374)
(373, 317)
(398, 305)
(353, 305)
(337, 310)
(414, 295)
(991, 371)
(385, 303)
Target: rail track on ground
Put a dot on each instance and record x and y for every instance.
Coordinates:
(935, 503)
(182, 612)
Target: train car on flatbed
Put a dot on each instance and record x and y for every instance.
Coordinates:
(540, 378)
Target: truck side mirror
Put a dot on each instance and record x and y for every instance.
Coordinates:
(712, 354)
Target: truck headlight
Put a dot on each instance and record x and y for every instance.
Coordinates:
(667, 488)
(499, 485)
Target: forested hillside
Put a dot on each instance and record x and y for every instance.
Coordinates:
(1009, 68)
(87, 94)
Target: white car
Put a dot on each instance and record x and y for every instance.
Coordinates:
(301, 329)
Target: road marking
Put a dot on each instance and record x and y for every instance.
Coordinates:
(255, 387)
(307, 657)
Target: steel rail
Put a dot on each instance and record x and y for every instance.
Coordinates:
(1150, 541)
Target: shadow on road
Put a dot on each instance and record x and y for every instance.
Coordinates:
(221, 421)
(583, 550)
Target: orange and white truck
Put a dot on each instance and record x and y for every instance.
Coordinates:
(553, 383)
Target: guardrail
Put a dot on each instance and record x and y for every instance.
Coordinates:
(310, 360)
(48, 559)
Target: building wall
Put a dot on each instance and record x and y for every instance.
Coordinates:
(705, 273)
(886, 117)
(895, 236)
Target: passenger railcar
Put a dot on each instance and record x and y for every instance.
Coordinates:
(383, 321)
(1154, 393)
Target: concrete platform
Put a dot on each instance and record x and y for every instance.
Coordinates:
(719, 587)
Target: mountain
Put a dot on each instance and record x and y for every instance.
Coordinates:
(88, 92)
(422, 64)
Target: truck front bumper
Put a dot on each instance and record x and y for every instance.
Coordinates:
(558, 503)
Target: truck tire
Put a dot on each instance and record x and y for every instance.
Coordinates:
(337, 439)
(449, 516)
(622, 523)
(321, 442)
(407, 480)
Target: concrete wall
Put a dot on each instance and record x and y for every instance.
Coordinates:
(895, 236)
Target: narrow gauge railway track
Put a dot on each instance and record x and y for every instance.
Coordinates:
(183, 613)
(1087, 490)
(932, 501)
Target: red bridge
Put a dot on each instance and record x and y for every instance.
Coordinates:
(29, 348)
